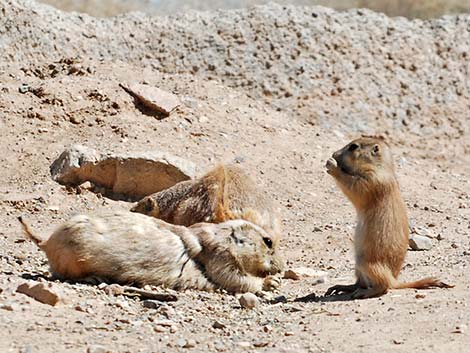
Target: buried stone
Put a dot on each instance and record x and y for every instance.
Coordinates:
(121, 176)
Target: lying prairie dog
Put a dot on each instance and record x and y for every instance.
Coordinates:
(224, 193)
(365, 171)
(131, 248)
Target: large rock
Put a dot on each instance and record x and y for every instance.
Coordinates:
(131, 176)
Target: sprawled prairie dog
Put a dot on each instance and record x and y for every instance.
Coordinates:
(226, 192)
(130, 248)
(365, 172)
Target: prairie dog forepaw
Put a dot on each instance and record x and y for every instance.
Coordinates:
(331, 164)
(271, 283)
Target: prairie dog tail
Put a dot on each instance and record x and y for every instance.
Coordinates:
(37, 240)
(425, 283)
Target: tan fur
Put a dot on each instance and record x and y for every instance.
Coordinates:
(364, 170)
(131, 248)
(224, 193)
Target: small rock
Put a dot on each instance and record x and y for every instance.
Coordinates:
(190, 343)
(303, 272)
(46, 293)
(244, 344)
(181, 342)
(8, 307)
(151, 304)
(154, 98)
(24, 88)
(203, 119)
(219, 346)
(164, 323)
(419, 242)
(97, 349)
(248, 300)
(260, 344)
(218, 325)
(289, 333)
(279, 299)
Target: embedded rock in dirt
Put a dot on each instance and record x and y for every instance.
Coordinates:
(130, 176)
(42, 292)
(304, 272)
(153, 98)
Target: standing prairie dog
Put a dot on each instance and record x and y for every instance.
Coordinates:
(130, 248)
(364, 170)
(224, 193)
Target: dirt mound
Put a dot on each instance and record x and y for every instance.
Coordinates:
(356, 71)
(407, 8)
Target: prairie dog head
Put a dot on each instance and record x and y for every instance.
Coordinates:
(363, 167)
(251, 247)
(147, 206)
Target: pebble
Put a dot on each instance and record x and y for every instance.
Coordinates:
(8, 307)
(190, 343)
(244, 344)
(151, 304)
(419, 242)
(279, 299)
(303, 272)
(248, 300)
(218, 325)
(97, 349)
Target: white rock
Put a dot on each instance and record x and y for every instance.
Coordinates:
(419, 242)
(248, 300)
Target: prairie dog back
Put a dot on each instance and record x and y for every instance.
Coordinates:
(224, 193)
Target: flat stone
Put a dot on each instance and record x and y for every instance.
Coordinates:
(303, 272)
(153, 98)
(46, 293)
(129, 176)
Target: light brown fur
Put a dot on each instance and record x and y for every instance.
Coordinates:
(131, 248)
(224, 193)
(364, 170)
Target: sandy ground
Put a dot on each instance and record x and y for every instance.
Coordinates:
(284, 151)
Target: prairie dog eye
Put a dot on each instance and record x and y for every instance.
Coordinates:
(353, 147)
(268, 242)
(148, 206)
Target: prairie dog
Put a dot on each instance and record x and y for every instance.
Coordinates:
(131, 248)
(224, 193)
(365, 171)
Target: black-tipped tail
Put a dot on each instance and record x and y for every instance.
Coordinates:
(28, 232)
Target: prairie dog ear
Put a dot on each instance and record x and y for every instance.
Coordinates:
(237, 236)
